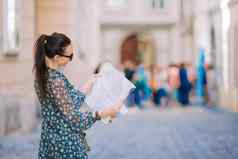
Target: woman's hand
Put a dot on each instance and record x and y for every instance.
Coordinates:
(94, 77)
(111, 111)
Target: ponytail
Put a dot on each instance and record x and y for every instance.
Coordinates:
(47, 46)
(40, 67)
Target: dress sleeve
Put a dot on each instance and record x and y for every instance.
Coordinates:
(61, 98)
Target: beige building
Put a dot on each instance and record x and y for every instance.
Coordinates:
(161, 31)
(232, 89)
(17, 24)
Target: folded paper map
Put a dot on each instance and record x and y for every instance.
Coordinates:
(110, 88)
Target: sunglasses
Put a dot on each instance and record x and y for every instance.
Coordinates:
(70, 56)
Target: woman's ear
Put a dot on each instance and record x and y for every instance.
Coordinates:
(56, 58)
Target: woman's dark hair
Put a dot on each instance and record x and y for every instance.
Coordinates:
(47, 46)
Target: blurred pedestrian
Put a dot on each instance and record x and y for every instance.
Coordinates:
(201, 82)
(185, 86)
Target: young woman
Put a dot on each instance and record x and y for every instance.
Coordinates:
(63, 125)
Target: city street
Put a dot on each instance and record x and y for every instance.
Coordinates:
(173, 133)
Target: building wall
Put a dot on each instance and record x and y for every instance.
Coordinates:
(208, 14)
(160, 39)
(1, 25)
(140, 12)
(187, 43)
(232, 94)
(137, 16)
(201, 27)
(87, 19)
(16, 84)
(216, 52)
(225, 77)
(78, 20)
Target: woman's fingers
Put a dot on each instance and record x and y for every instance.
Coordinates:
(96, 76)
(117, 110)
(110, 111)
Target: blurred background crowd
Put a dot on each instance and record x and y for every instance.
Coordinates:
(176, 84)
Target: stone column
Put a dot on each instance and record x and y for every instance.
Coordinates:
(201, 28)
(89, 30)
(233, 38)
(1, 27)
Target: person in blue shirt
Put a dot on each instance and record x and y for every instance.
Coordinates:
(201, 82)
(185, 86)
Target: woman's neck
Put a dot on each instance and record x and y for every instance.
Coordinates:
(51, 64)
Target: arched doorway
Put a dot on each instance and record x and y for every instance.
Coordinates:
(138, 48)
(129, 49)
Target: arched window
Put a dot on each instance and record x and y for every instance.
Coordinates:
(10, 28)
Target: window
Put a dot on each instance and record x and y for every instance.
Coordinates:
(116, 4)
(10, 30)
(155, 4)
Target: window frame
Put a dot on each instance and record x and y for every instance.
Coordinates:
(156, 4)
(11, 36)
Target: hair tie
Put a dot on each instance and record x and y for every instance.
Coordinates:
(46, 39)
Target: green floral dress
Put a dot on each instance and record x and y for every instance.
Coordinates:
(63, 125)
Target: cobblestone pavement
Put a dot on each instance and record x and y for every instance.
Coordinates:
(176, 133)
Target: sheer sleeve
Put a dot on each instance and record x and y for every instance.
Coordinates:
(77, 119)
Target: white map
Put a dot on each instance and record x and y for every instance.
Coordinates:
(110, 88)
